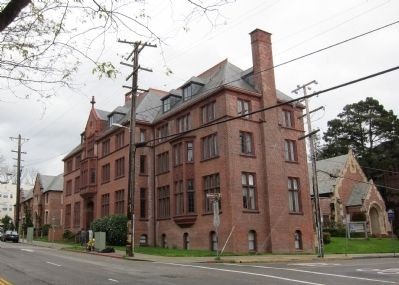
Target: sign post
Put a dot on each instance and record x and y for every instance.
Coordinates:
(391, 217)
(215, 198)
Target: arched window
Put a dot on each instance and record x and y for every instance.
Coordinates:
(186, 241)
(252, 240)
(298, 240)
(213, 241)
(143, 240)
(163, 241)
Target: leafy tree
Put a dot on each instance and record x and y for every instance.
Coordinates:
(7, 223)
(43, 42)
(363, 126)
(28, 219)
(115, 228)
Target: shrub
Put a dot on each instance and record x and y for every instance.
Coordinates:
(115, 228)
(68, 235)
(338, 230)
(45, 228)
(326, 237)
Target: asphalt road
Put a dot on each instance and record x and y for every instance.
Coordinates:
(22, 264)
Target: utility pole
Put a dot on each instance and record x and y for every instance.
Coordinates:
(19, 170)
(319, 226)
(134, 56)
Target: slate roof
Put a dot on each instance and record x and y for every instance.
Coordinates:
(333, 166)
(359, 192)
(27, 194)
(52, 183)
(103, 115)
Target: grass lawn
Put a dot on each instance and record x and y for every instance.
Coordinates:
(45, 239)
(372, 245)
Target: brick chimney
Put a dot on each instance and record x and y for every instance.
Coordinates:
(262, 59)
(128, 98)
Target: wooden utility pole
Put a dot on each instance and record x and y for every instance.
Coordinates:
(134, 56)
(319, 225)
(19, 170)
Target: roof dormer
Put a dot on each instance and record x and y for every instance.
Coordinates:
(192, 87)
(169, 101)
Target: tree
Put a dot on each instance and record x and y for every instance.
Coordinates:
(368, 129)
(362, 126)
(43, 42)
(28, 219)
(7, 223)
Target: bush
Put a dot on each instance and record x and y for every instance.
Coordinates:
(115, 228)
(338, 231)
(45, 228)
(326, 237)
(68, 235)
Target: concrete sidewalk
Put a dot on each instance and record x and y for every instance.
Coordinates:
(265, 258)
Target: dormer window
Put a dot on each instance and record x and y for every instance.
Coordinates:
(166, 105)
(114, 118)
(190, 90)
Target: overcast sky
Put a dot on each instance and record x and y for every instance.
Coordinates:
(298, 27)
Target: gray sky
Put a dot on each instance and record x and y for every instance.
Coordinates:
(298, 27)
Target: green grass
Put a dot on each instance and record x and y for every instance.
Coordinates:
(63, 241)
(173, 252)
(372, 245)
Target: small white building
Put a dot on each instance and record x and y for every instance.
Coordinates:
(8, 198)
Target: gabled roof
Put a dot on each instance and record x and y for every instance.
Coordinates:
(325, 167)
(27, 194)
(51, 183)
(103, 115)
(359, 193)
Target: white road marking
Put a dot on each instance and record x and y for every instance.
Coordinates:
(28, 250)
(241, 272)
(55, 264)
(113, 280)
(380, 271)
(315, 264)
(317, 273)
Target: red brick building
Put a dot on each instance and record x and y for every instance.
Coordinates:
(255, 162)
(345, 190)
(44, 201)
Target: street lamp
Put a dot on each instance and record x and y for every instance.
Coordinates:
(131, 178)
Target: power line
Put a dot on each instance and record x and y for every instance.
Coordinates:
(362, 166)
(300, 57)
(356, 180)
(174, 136)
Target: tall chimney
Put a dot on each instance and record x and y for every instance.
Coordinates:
(262, 60)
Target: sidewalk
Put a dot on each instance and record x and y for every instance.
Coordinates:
(266, 258)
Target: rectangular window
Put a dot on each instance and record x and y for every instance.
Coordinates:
(105, 173)
(163, 202)
(78, 158)
(46, 198)
(46, 217)
(76, 215)
(243, 107)
(189, 151)
(68, 216)
(177, 154)
(211, 186)
(288, 117)
(143, 164)
(293, 195)
(290, 150)
(163, 162)
(248, 191)
(69, 166)
(105, 205)
(77, 184)
(92, 175)
(106, 147)
(246, 143)
(143, 203)
(142, 135)
(208, 112)
(120, 167)
(179, 198)
(183, 123)
(119, 140)
(209, 147)
(120, 202)
(162, 132)
(68, 190)
(190, 196)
